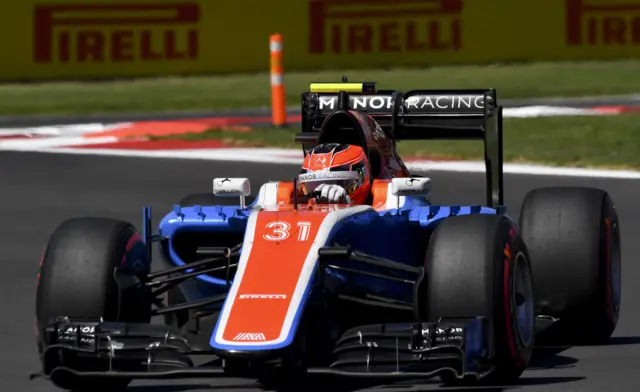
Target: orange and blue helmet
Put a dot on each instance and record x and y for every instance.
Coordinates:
(341, 164)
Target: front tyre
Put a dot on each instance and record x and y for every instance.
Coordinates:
(77, 280)
(478, 266)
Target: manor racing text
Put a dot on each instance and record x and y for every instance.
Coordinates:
(417, 102)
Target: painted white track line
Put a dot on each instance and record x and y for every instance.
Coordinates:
(62, 138)
(548, 111)
(40, 144)
(62, 130)
(294, 157)
(80, 129)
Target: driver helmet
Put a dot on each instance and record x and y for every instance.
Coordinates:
(340, 164)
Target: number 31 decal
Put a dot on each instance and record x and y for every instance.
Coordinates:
(280, 231)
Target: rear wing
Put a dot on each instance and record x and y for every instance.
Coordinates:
(420, 115)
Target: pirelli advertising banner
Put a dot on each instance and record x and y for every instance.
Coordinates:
(45, 39)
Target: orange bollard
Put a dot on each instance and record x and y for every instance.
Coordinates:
(278, 102)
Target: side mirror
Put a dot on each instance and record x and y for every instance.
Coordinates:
(232, 187)
(410, 186)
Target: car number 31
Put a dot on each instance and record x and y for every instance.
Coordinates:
(280, 231)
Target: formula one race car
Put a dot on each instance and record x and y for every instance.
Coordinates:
(398, 287)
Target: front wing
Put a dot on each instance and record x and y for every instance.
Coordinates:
(91, 348)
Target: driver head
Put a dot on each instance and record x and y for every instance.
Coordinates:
(341, 164)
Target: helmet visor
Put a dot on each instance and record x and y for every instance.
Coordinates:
(349, 180)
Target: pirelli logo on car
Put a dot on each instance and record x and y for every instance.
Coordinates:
(115, 32)
(263, 296)
(373, 26)
(602, 23)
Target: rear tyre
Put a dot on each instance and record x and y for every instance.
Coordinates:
(77, 280)
(573, 236)
(478, 266)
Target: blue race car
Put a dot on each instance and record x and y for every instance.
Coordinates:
(393, 287)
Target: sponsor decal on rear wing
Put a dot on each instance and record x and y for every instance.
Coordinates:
(415, 102)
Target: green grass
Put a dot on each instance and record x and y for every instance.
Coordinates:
(599, 141)
(248, 91)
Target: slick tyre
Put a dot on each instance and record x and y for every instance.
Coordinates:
(478, 266)
(573, 237)
(77, 280)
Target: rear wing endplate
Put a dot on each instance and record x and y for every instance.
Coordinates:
(422, 115)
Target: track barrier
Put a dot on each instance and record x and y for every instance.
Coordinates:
(87, 39)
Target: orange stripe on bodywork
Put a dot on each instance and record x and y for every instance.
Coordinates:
(280, 248)
(285, 193)
(379, 190)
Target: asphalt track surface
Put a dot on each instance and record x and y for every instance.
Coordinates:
(40, 190)
(44, 120)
